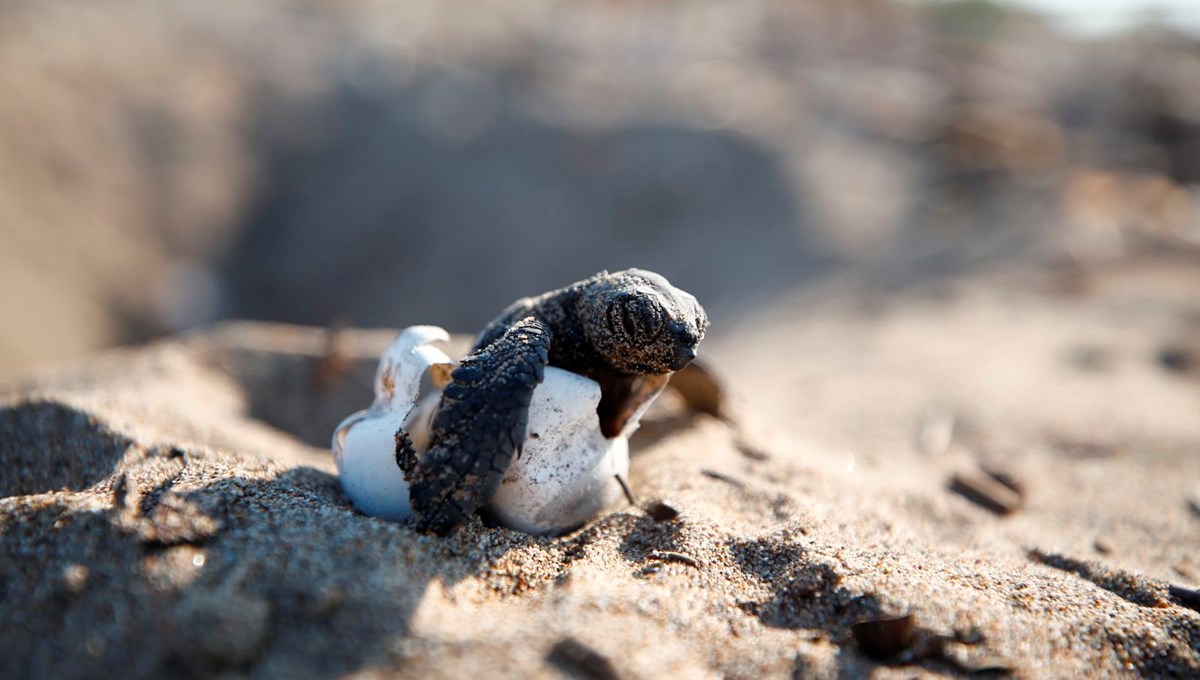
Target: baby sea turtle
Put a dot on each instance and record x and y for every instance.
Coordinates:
(628, 331)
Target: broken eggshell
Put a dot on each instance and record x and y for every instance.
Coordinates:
(364, 444)
(565, 474)
(566, 471)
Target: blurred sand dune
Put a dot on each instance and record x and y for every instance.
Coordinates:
(165, 165)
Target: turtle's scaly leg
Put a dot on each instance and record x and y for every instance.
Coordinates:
(406, 454)
(479, 427)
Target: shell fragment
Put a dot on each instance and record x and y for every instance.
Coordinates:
(564, 475)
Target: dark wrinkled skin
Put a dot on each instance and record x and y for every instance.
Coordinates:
(479, 426)
(628, 331)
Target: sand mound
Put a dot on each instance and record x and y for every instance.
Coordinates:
(169, 510)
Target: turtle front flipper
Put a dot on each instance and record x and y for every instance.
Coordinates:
(479, 427)
(406, 455)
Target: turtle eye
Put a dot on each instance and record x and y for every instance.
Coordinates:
(618, 320)
(635, 316)
(629, 320)
(643, 317)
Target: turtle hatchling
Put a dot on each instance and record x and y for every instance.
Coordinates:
(533, 423)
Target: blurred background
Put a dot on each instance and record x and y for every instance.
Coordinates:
(167, 164)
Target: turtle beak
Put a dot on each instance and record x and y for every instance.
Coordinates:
(684, 344)
(684, 355)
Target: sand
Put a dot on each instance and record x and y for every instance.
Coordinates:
(172, 510)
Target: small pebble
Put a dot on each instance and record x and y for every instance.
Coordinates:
(577, 659)
(987, 492)
(661, 512)
(1185, 596)
(751, 451)
(1006, 478)
(719, 476)
(671, 556)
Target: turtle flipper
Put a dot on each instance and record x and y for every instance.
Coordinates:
(479, 427)
(406, 454)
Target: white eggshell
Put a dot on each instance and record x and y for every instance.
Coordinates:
(567, 469)
(367, 466)
(364, 445)
(566, 472)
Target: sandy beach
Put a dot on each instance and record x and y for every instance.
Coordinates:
(949, 251)
(171, 509)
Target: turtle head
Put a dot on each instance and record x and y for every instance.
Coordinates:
(641, 324)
